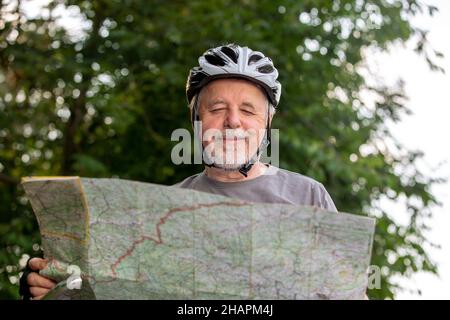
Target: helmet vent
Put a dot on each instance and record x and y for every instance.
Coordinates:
(232, 54)
(254, 58)
(215, 60)
(266, 68)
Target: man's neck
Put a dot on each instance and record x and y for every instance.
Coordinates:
(234, 176)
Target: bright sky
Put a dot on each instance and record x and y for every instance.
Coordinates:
(428, 129)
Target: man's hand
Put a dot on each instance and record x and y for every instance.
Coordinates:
(39, 285)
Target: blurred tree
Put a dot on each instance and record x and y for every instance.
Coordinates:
(95, 88)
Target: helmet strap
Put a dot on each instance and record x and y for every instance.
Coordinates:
(246, 167)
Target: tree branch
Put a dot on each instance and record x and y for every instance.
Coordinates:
(8, 180)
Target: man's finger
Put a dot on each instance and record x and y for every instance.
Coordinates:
(38, 291)
(36, 280)
(37, 264)
(38, 297)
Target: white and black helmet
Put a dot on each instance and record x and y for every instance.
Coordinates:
(233, 61)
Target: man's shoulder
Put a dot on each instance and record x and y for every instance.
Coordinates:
(304, 189)
(298, 179)
(188, 182)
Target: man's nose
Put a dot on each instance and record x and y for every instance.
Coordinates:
(232, 120)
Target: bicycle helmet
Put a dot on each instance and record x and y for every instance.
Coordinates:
(233, 61)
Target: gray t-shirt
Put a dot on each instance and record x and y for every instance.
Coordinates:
(275, 186)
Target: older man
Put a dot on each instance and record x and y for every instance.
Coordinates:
(233, 93)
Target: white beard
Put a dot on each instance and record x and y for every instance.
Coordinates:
(229, 155)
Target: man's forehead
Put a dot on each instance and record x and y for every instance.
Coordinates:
(224, 87)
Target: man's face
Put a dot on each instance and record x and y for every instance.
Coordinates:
(234, 117)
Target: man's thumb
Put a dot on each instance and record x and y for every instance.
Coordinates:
(37, 264)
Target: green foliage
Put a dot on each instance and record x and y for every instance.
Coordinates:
(103, 102)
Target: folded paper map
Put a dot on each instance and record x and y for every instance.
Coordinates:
(121, 239)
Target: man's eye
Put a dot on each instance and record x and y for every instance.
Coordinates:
(248, 112)
(217, 109)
